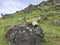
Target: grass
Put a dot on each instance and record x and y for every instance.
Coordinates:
(51, 32)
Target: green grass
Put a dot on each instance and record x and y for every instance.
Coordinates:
(51, 32)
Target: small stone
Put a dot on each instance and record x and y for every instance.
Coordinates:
(56, 22)
(31, 30)
(27, 27)
(19, 31)
(24, 31)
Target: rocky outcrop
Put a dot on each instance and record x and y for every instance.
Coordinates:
(25, 34)
(28, 9)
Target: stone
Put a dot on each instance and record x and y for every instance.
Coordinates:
(25, 34)
(56, 22)
(58, 13)
(29, 8)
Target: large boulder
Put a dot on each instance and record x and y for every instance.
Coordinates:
(25, 34)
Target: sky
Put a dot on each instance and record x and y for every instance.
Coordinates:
(11, 6)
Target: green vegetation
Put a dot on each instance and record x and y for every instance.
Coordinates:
(51, 32)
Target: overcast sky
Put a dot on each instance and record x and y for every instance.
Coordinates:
(11, 6)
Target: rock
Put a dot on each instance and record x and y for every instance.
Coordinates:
(57, 5)
(25, 34)
(58, 12)
(56, 22)
(28, 9)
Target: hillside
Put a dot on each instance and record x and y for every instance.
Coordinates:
(49, 9)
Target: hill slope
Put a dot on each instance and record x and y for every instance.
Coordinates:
(50, 9)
